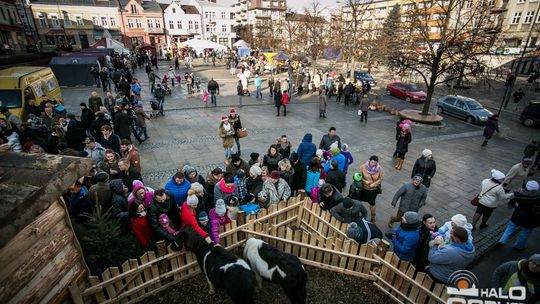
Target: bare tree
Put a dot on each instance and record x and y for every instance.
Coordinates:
(291, 30)
(447, 41)
(313, 31)
(354, 13)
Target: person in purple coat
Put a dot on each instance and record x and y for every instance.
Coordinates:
(218, 217)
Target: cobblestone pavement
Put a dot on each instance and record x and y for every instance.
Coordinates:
(188, 135)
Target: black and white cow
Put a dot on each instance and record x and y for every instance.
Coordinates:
(222, 269)
(278, 267)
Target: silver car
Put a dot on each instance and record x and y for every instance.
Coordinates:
(462, 107)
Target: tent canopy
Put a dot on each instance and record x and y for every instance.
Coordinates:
(72, 71)
(241, 43)
(200, 45)
(281, 56)
(244, 51)
(109, 43)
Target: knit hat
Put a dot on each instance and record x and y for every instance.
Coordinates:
(255, 170)
(532, 185)
(427, 152)
(294, 157)
(459, 220)
(202, 216)
(496, 174)
(344, 147)
(163, 219)
(102, 177)
(187, 169)
(192, 200)
(235, 157)
(527, 161)
(334, 151)
(220, 207)
(232, 111)
(411, 217)
(139, 103)
(224, 118)
(347, 202)
(197, 188)
(352, 230)
(535, 258)
(319, 153)
(274, 174)
(357, 177)
(321, 182)
(418, 177)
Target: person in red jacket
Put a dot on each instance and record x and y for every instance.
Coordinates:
(188, 215)
(140, 225)
(285, 98)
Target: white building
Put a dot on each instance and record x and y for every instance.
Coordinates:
(263, 17)
(182, 22)
(218, 22)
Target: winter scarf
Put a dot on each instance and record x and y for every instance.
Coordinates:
(224, 187)
(372, 170)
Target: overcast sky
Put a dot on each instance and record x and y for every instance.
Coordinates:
(297, 5)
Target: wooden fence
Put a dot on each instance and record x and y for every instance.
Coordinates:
(298, 227)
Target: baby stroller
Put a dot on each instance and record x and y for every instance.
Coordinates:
(155, 108)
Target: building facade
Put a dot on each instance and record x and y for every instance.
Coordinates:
(78, 23)
(142, 23)
(180, 21)
(517, 20)
(217, 21)
(12, 36)
(263, 20)
(25, 14)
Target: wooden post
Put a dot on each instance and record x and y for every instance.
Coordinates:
(241, 220)
(163, 266)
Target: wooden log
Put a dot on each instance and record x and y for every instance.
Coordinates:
(32, 261)
(60, 293)
(338, 244)
(147, 272)
(190, 258)
(48, 223)
(369, 254)
(405, 286)
(174, 264)
(129, 283)
(289, 236)
(386, 267)
(427, 283)
(163, 265)
(118, 285)
(388, 293)
(299, 215)
(344, 259)
(353, 251)
(399, 280)
(99, 295)
(297, 237)
(154, 268)
(133, 263)
(304, 251)
(438, 290)
(360, 263)
(321, 221)
(415, 292)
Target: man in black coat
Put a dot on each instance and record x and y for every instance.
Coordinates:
(329, 197)
(122, 123)
(128, 174)
(75, 135)
(300, 174)
(109, 140)
(163, 203)
(425, 167)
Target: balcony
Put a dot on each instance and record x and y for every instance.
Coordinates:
(75, 26)
(155, 31)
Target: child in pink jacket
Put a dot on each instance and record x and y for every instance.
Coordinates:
(218, 217)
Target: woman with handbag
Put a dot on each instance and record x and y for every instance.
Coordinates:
(234, 120)
(491, 195)
(226, 132)
(372, 177)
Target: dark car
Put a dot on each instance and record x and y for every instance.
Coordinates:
(463, 107)
(364, 76)
(530, 116)
(407, 91)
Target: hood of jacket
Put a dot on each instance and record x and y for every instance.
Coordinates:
(117, 186)
(138, 185)
(308, 138)
(224, 187)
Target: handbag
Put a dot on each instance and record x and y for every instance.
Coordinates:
(476, 199)
(241, 133)
(359, 112)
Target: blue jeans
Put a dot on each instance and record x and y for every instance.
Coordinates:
(228, 152)
(258, 92)
(143, 131)
(240, 97)
(213, 97)
(237, 140)
(522, 237)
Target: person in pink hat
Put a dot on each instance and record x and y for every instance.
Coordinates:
(226, 132)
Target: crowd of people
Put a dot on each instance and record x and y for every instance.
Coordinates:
(206, 201)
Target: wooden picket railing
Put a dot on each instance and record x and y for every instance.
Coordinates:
(298, 227)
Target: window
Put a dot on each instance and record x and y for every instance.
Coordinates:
(150, 23)
(179, 24)
(3, 13)
(205, 15)
(190, 25)
(42, 20)
(104, 21)
(491, 3)
(133, 9)
(528, 17)
(208, 28)
(516, 17)
(139, 23)
(67, 21)
(521, 1)
(223, 15)
(232, 28)
(381, 11)
(158, 23)
(113, 21)
(223, 28)
(461, 105)
(171, 24)
(468, 4)
(232, 16)
(174, 10)
(434, 29)
(55, 21)
(79, 20)
(130, 23)
(213, 15)
(95, 20)
(196, 25)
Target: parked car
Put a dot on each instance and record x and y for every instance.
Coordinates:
(463, 107)
(530, 116)
(364, 76)
(407, 91)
